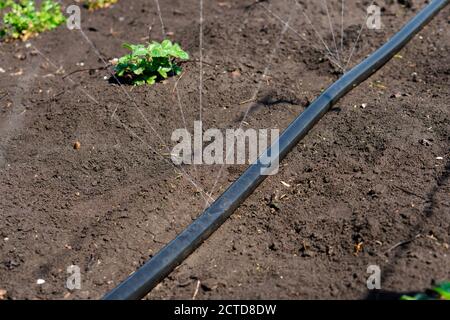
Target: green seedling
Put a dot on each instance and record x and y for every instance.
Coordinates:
(23, 20)
(98, 4)
(440, 292)
(147, 64)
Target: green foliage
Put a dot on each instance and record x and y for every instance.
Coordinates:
(147, 64)
(443, 290)
(98, 4)
(5, 3)
(23, 20)
(440, 292)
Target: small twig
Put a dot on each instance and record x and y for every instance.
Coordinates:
(88, 69)
(409, 192)
(176, 83)
(402, 243)
(150, 28)
(114, 113)
(247, 101)
(196, 290)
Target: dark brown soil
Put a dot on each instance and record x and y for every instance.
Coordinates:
(378, 175)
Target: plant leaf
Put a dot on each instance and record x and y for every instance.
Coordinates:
(147, 64)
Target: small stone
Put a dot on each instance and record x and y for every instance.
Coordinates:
(364, 105)
(3, 294)
(396, 95)
(380, 188)
(209, 284)
(16, 74)
(305, 250)
(426, 142)
(77, 145)
(12, 264)
(40, 281)
(20, 56)
(98, 282)
(330, 250)
(224, 4)
(236, 74)
(158, 287)
(114, 61)
(274, 205)
(2, 70)
(308, 254)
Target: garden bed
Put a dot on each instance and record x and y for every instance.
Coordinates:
(374, 172)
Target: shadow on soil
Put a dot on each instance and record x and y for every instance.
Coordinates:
(430, 209)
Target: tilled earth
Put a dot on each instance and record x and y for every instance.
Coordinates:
(369, 185)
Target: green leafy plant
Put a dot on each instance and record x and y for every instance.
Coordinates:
(147, 64)
(23, 20)
(440, 292)
(98, 4)
(5, 3)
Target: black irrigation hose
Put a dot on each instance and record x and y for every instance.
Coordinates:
(156, 269)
